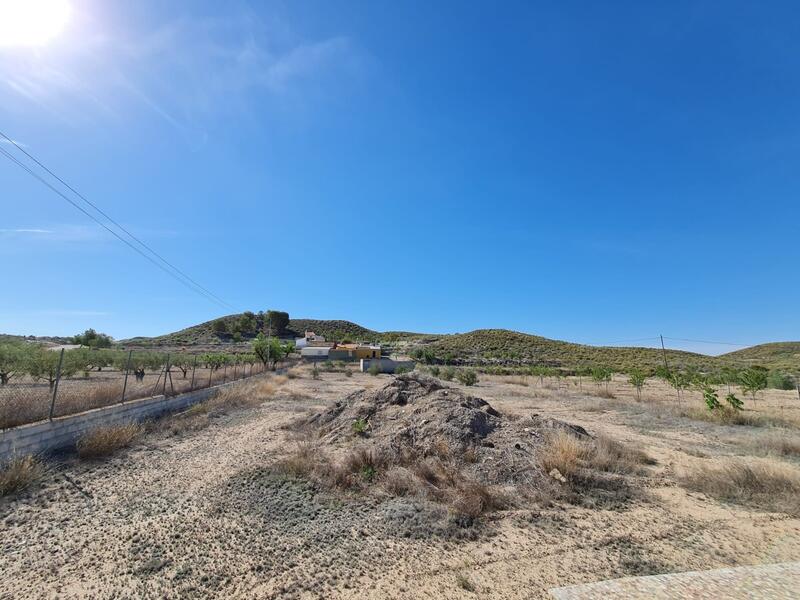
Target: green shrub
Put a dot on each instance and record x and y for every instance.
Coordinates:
(448, 373)
(710, 397)
(374, 369)
(467, 377)
(360, 426)
(434, 370)
(780, 381)
(734, 402)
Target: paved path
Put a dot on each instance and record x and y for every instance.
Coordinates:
(766, 581)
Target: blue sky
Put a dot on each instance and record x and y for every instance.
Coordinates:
(585, 171)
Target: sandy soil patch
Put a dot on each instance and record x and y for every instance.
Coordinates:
(199, 513)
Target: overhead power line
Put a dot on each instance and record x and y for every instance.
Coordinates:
(162, 263)
(178, 275)
(707, 342)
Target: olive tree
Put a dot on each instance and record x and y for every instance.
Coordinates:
(43, 365)
(13, 360)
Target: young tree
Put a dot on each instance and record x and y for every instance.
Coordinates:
(729, 376)
(220, 327)
(637, 378)
(680, 382)
(710, 397)
(753, 380)
(268, 350)
(582, 372)
(601, 375)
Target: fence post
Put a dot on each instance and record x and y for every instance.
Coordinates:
(234, 371)
(55, 389)
(194, 368)
(225, 373)
(166, 372)
(127, 370)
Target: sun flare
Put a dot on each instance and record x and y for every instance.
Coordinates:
(32, 22)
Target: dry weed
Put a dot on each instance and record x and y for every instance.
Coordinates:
(764, 484)
(612, 456)
(19, 473)
(561, 451)
(106, 440)
(568, 454)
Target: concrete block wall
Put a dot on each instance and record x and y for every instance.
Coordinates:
(62, 432)
(386, 365)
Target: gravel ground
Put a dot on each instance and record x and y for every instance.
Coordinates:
(778, 582)
(200, 514)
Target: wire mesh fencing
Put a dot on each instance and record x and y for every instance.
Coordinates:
(39, 383)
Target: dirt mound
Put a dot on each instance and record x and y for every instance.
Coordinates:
(417, 415)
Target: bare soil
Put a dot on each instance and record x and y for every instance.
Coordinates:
(203, 513)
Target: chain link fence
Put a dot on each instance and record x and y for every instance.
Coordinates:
(39, 383)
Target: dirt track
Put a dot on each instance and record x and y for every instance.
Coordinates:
(199, 514)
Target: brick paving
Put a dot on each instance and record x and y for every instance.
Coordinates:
(764, 581)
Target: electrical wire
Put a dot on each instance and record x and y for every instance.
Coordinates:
(110, 219)
(194, 287)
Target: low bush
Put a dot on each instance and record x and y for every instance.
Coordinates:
(766, 485)
(104, 441)
(374, 370)
(19, 473)
(448, 373)
(467, 377)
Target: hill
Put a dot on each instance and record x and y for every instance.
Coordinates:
(209, 334)
(504, 347)
(481, 347)
(776, 355)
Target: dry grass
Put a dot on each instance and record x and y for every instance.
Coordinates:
(776, 443)
(569, 455)
(107, 440)
(563, 452)
(248, 393)
(19, 473)
(365, 469)
(764, 484)
(611, 456)
(464, 583)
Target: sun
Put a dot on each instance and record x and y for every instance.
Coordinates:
(32, 22)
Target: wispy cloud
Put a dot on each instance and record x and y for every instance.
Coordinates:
(58, 233)
(71, 233)
(22, 231)
(184, 71)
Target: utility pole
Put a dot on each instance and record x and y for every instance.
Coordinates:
(269, 332)
(664, 353)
